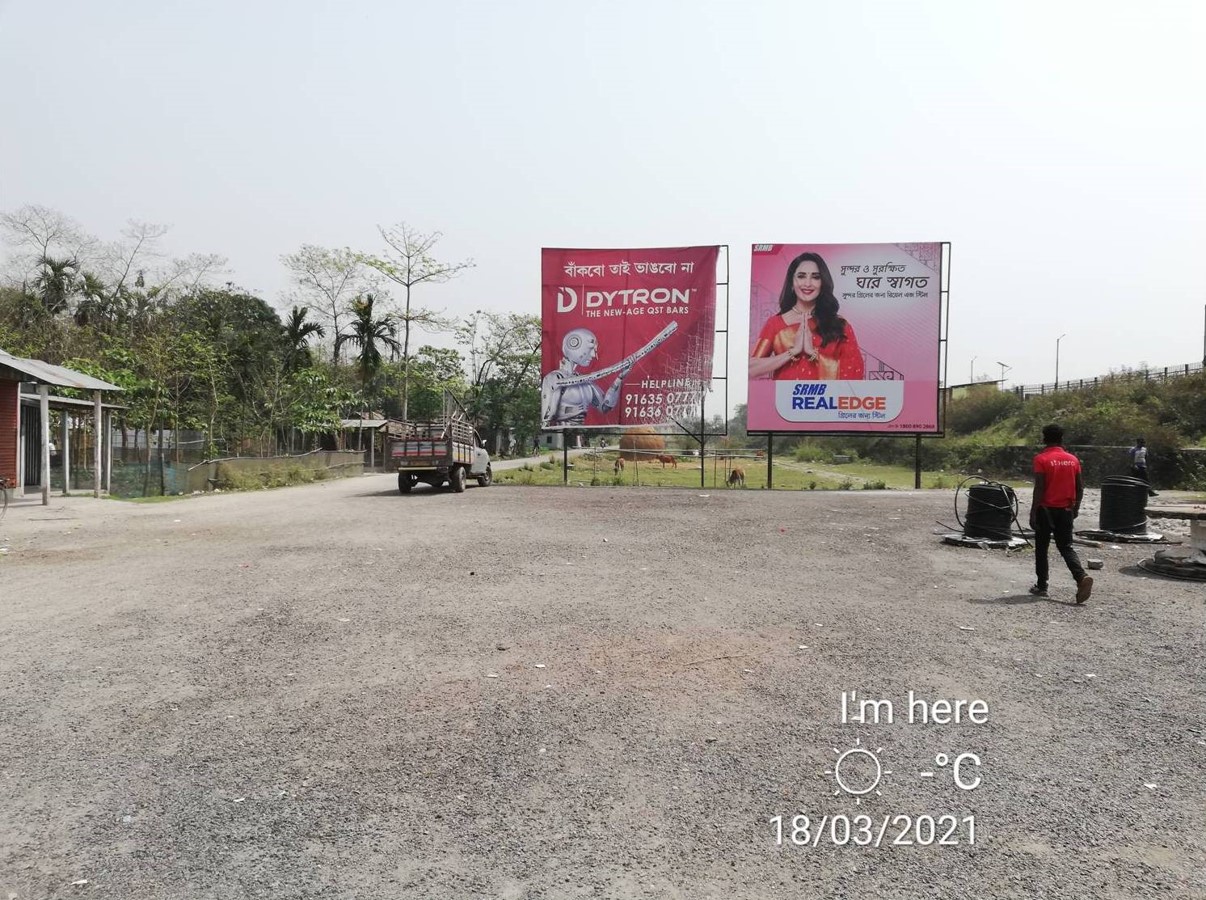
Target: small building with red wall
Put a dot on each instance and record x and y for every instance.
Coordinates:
(25, 451)
(10, 414)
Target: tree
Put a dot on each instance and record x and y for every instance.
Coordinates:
(185, 275)
(135, 271)
(504, 372)
(19, 312)
(369, 334)
(56, 283)
(95, 308)
(125, 260)
(409, 263)
(160, 355)
(134, 260)
(122, 367)
(739, 423)
(311, 402)
(298, 331)
(250, 341)
(329, 280)
(37, 232)
(433, 370)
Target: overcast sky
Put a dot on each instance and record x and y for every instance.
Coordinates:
(1059, 146)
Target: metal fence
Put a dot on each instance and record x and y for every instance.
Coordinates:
(1026, 391)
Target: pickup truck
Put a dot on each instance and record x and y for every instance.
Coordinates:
(447, 451)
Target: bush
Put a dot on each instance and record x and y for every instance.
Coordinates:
(875, 485)
(272, 475)
(1185, 409)
(231, 478)
(811, 453)
(980, 409)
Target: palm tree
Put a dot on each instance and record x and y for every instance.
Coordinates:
(368, 334)
(56, 283)
(298, 332)
(96, 307)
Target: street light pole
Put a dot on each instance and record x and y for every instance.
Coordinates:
(971, 375)
(1004, 368)
(1057, 340)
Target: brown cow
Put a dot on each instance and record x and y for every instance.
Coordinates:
(737, 477)
(619, 466)
(672, 460)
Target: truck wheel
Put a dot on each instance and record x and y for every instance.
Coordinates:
(456, 478)
(405, 482)
(486, 479)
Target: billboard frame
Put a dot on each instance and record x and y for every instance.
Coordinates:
(722, 333)
(944, 274)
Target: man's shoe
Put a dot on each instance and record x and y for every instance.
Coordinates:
(1084, 588)
(1038, 591)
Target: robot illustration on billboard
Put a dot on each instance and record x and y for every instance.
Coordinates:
(566, 396)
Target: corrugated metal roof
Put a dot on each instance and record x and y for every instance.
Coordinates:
(33, 399)
(363, 423)
(60, 376)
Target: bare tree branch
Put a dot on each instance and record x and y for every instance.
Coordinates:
(409, 262)
(328, 281)
(36, 232)
(187, 274)
(139, 245)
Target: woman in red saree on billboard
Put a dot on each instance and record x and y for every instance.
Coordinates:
(807, 340)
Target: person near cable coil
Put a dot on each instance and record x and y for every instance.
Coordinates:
(1139, 465)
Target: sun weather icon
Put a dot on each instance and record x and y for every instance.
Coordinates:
(858, 771)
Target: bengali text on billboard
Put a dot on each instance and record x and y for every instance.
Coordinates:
(626, 335)
(845, 337)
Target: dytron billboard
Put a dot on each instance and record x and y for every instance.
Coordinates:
(627, 335)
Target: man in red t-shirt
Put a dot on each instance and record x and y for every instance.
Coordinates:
(1058, 489)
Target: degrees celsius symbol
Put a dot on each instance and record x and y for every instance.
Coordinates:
(942, 760)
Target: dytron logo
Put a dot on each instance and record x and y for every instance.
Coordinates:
(567, 298)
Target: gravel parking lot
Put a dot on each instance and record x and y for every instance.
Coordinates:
(337, 691)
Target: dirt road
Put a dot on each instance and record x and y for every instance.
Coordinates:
(513, 692)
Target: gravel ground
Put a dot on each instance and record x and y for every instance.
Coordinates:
(336, 691)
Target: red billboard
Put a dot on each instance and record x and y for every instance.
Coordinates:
(626, 335)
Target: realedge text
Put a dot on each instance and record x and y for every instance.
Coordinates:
(814, 395)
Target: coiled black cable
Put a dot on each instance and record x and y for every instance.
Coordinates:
(1009, 505)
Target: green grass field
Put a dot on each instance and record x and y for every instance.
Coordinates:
(597, 469)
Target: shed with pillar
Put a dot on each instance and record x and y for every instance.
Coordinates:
(25, 405)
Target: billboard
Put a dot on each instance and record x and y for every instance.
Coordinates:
(626, 335)
(845, 337)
